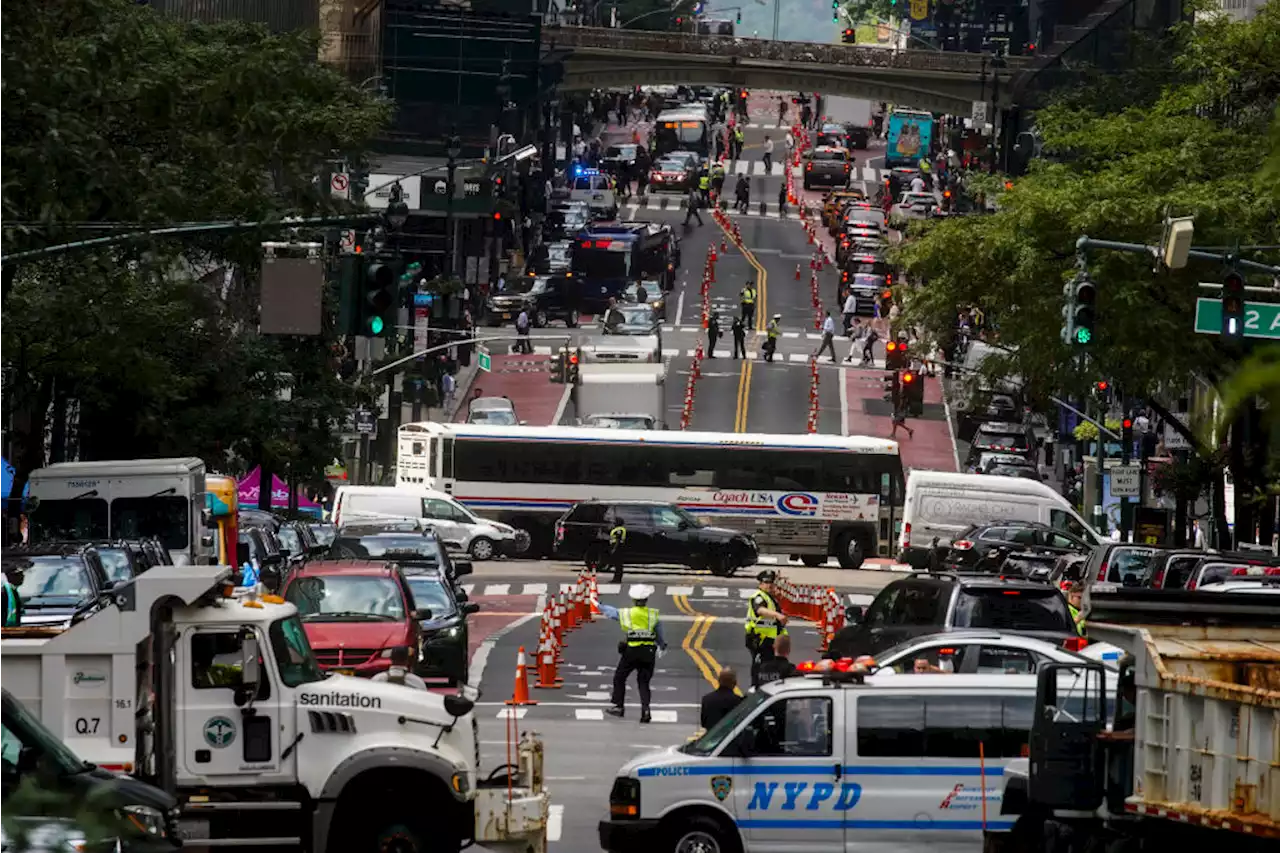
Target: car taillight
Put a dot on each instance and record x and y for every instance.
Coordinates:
(906, 534)
(846, 167)
(1074, 644)
(1102, 571)
(1191, 584)
(808, 167)
(1157, 580)
(559, 532)
(962, 545)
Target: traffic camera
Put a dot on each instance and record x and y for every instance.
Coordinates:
(1233, 306)
(378, 307)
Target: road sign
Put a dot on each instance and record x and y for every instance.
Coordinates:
(1261, 319)
(348, 244)
(483, 359)
(340, 185)
(1126, 481)
(366, 423)
(979, 114)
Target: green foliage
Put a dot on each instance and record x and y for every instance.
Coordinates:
(77, 817)
(1112, 172)
(871, 11)
(116, 114)
(1088, 431)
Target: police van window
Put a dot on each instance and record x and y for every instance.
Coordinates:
(800, 726)
(954, 727)
(890, 726)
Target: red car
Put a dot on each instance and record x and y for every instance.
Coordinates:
(355, 613)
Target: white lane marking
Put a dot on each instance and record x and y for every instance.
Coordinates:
(508, 713)
(588, 713)
(791, 334)
(715, 592)
(746, 592)
(609, 588)
(468, 588)
(555, 822)
(475, 672)
(680, 307)
(844, 405)
(797, 357)
(497, 589)
(951, 430)
(535, 589)
(663, 716)
(564, 404)
(679, 590)
(594, 695)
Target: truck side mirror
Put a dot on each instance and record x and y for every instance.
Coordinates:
(250, 672)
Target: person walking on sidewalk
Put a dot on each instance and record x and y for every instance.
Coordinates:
(850, 312)
(828, 338)
(900, 420)
(739, 330)
(692, 203)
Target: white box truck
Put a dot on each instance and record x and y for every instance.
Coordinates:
(211, 693)
(621, 396)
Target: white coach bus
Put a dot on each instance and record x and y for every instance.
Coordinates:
(811, 496)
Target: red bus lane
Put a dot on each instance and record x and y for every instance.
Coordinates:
(523, 379)
(497, 612)
(869, 414)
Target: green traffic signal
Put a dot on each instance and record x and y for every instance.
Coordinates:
(375, 326)
(1083, 336)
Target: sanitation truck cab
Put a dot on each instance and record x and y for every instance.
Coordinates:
(213, 692)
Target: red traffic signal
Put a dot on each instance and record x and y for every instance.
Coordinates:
(1103, 385)
(908, 377)
(891, 346)
(573, 358)
(1127, 423)
(497, 216)
(888, 294)
(1008, 185)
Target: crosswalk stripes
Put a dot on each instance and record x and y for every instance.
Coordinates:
(673, 203)
(755, 169)
(790, 358)
(610, 589)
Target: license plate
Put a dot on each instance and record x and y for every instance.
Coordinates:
(193, 830)
(345, 671)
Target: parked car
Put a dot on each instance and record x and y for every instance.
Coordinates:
(445, 638)
(298, 543)
(969, 549)
(1000, 437)
(482, 538)
(912, 206)
(390, 540)
(999, 458)
(58, 584)
(833, 205)
(355, 613)
(657, 534)
(324, 532)
(259, 547)
(924, 603)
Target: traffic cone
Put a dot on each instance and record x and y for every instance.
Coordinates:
(724, 247)
(520, 696)
(548, 678)
(595, 597)
(570, 612)
(584, 611)
(797, 272)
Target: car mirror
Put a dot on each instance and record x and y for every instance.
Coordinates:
(854, 614)
(468, 609)
(286, 553)
(682, 525)
(462, 567)
(461, 596)
(422, 614)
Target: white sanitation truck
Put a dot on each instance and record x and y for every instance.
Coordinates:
(211, 692)
(1184, 756)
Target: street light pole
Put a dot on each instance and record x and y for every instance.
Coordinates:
(454, 149)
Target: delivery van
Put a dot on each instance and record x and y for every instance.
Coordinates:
(482, 538)
(940, 505)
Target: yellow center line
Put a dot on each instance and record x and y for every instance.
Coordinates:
(744, 377)
(693, 643)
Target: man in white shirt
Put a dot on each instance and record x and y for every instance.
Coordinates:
(917, 184)
(399, 672)
(828, 338)
(850, 310)
(768, 156)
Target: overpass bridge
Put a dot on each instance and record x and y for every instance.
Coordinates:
(938, 81)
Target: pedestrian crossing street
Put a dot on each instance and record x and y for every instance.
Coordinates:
(692, 592)
(725, 348)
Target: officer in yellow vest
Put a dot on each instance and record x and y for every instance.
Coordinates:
(765, 622)
(617, 544)
(747, 300)
(704, 188)
(638, 649)
(773, 331)
(1074, 597)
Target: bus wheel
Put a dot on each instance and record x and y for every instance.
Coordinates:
(813, 561)
(594, 558)
(849, 551)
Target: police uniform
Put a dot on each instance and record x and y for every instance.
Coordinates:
(617, 542)
(638, 649)
(773, 331)
(1077, 618)
(747, 300)
(761, 633)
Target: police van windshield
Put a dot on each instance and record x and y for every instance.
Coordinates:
(714, 736)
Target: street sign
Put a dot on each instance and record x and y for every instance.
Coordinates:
(1126, 481)
(340, 185)
(348, 243)
(366, 423)
(483, 359)
(979, 114)
(1261, 319)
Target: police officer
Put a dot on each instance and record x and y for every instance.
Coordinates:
(638, 649)
(765, 621)
(704, 188)
(1075, 596)
(747, 302)
(739, 338)
(617, 543)
(779, 666)
(773, 331)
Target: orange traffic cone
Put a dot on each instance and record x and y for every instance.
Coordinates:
(566, 601)
(520, 695)
(595, 597)
(797, 272)
(584, 613)
(548, 679)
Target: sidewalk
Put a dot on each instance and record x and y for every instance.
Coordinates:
(867, 413)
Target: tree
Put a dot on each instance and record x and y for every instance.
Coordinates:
(871, 11)
(1187, 142)
(118, 117)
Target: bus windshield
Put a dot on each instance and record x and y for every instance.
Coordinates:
(602, 259)
(681, 134)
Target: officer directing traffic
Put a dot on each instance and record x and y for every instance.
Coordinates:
(617, 544)
(765, 622)
(747, 302)
(638, 649)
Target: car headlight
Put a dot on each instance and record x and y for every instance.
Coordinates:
(386, 654)
(453, 632)
(147, 820)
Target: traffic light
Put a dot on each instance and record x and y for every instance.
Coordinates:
(739, 17)
(560, 366)
(1233, 306)
(1084, 311)
(378, 307)
(895, 355)
(571, 369)
(1126, 438)
(1101, 389)
(849, 36)
(913, 392)
(891, 388)
(350, 293)
(835, 11)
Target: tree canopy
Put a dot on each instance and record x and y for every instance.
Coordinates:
(118, 118)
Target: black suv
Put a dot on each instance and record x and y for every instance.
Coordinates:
(444, 632)
(406, 542)
(60, 584)
(657, 534)
(924, 603)
(545, 297)
(969, 549)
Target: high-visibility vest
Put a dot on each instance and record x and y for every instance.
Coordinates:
(618, 535)
(640, 625)
(748, 296)
(765, 630)
(773, 331)
(737, 134)
(1077, 617)
(704, 183)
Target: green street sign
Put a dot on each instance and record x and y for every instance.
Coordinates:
(1261, 319)
(484, 361)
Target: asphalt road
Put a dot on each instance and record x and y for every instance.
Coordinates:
(702, 626)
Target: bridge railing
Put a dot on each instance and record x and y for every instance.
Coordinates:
(774, 51)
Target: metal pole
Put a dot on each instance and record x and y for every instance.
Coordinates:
(1084, 244)
(1100, 511)
(777, 12)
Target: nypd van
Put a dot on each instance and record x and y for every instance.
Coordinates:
(836, 762)
(597, 190)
